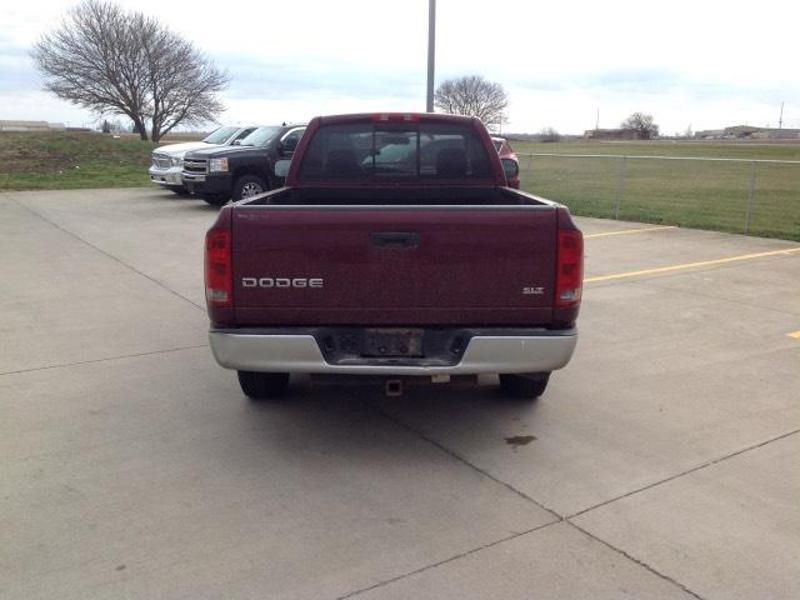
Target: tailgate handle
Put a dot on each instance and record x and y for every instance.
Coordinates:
(395, 239)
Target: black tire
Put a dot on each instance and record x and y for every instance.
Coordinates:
(178, 189)
(249, 185)
(529, 385)
(260, 386)
(214, 199)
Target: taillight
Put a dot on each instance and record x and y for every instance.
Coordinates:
(219, 284)
(569, 275)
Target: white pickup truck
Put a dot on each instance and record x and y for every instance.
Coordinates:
(166, 166)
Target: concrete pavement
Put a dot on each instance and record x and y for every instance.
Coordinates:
(663, 460)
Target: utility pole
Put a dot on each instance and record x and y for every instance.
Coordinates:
(431, 52)
(597, 121)
(780, 120)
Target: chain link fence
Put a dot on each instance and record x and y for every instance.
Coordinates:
(756, 197)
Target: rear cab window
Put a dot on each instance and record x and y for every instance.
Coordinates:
(394, 151)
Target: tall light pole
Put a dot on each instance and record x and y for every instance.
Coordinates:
(431, 52)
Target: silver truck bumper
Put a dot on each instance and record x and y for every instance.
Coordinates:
(171, 176)
(301, 354)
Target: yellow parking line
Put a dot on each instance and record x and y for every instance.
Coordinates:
(794, 334)
(705, 263)
(629, 231)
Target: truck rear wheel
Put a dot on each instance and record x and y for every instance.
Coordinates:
(528, 385)
(260, 386)
(249, 185)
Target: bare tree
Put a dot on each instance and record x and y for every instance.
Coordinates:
(474, 96)
(549, 134)
(125, 63)
(642, 124)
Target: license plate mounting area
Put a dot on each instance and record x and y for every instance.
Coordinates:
(392, 342)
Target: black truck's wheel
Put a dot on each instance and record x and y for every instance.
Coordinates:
(178, 189)
(249, 185)
(529, 385)
(214, 199)
(260, 386)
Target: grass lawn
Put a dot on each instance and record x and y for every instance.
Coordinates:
(68, 160)
(703, 195)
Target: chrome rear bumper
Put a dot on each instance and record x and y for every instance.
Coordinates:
(301, 353)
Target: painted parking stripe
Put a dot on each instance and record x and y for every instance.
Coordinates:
(684, 266)
(630, 231)
(794, 334)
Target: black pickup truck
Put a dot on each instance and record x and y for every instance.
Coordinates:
(243, 169)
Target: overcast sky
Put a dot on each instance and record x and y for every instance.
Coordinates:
(700, 64)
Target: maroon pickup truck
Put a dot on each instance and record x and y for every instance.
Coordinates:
(396, 250)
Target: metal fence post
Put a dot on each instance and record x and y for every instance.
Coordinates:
(620, 185)
(750, 198)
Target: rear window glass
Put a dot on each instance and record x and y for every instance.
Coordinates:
(355, 152)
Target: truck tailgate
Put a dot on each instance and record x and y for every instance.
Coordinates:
(382, 265)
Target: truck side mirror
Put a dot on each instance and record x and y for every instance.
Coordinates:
(510, 167)
(281, 168)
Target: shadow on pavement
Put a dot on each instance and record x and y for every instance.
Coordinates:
(361, 426)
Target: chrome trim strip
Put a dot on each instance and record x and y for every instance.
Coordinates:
(301, 354)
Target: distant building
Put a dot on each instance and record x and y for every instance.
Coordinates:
(23, 126)
(777, 134)
(709, 134)
(747, 132)
(30, 126)
(611, 134)
(740, 131)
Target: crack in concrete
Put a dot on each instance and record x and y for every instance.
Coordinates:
(386, 582)
(641, 563)
(683, 473)
(63, 229)
(104, 359)
(463, 460)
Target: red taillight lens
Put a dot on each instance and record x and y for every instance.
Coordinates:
(569, 275)
(219, 287)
